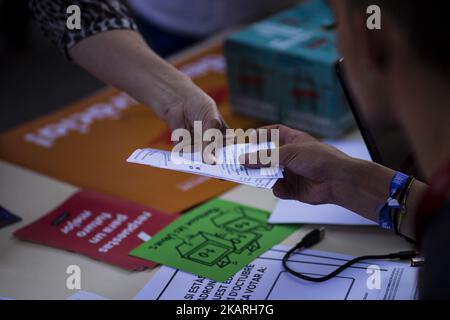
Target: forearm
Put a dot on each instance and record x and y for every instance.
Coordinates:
(364, 186)
(97, 16)
(123, 59)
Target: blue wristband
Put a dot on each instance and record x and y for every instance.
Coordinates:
(398, 182)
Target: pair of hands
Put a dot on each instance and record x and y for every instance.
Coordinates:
(314, 172)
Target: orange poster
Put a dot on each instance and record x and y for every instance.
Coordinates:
(86, 144)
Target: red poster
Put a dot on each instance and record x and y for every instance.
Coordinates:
(99, 226)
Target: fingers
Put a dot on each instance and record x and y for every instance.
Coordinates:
(206, 112)
(281, 135)
(212, 123)
(281, 190)
(290, 156)
(214, 120)
(292, 187)
(286, 156)
(175, 119)
(260, 159)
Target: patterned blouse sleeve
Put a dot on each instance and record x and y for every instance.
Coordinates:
(96, 16)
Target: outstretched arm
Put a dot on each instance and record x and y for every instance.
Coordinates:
(110, 47)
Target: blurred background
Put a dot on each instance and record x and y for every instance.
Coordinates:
(35, 78)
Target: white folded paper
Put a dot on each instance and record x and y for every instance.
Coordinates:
(295, 212)
(227, 167)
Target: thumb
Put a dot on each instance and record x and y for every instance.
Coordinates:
(265, 158)
(213, 123)
(289, 156)
(174, 119)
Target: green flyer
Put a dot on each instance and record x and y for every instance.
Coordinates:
(214, 240)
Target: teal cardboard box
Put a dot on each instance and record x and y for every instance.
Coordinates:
(282, 69)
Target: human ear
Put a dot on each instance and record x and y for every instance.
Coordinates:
(375, 44)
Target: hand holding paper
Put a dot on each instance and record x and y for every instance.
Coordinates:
(227, 167)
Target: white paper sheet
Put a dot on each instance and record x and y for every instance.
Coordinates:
(85, 295)
(266, 279)
(295, 212)
(228, 167)
(291, 211)
(354, 148)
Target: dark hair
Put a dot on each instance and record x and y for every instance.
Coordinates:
(425, 23)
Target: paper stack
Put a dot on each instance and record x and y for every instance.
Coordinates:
(227, 167)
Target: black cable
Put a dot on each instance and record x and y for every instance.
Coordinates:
(315, 237)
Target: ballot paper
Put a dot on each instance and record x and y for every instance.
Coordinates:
(266, 279)
(214, 240)
(227, 167)
(292, 211)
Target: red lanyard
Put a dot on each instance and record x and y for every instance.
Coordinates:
(434, 199)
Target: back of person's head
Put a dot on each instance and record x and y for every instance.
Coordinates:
(424, 23)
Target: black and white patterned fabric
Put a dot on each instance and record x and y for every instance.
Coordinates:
(96, 16)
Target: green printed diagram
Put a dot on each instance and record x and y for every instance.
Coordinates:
(214, 240)
(240, 230)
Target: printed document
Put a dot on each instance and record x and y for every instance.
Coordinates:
(227, 167)
(266, 279)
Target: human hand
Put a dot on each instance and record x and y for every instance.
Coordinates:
(188, 104)
(316, 173)
(313, 171)
(185, 106)
(123, 59)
